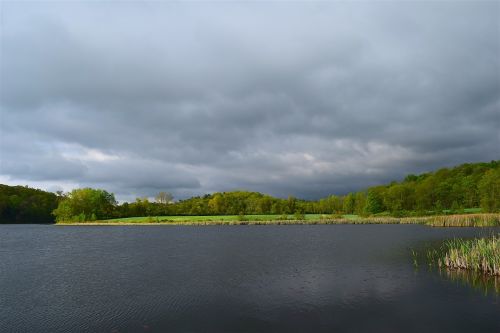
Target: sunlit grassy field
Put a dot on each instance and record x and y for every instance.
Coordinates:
(209, 218)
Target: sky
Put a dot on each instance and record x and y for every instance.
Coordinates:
(285, 98)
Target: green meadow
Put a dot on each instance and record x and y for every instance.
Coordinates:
(215, 218)
(454, 220)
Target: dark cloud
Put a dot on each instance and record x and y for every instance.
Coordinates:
(283, 98)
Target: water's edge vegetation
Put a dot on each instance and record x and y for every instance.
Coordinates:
(467, 188)
(462, 220)
(477, 255)
(475, 262)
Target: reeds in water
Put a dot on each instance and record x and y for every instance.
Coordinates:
(465, 220)
(478, 255)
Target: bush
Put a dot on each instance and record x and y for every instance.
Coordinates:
(401, 213)
(299, 216)
(282, 217)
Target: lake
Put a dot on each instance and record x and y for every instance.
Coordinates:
(294, 278)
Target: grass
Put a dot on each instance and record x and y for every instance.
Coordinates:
(476, 255)
(466, 220)
(211, 218)
(479, 255)
(472, 210)
(474, 262)
(245, 220)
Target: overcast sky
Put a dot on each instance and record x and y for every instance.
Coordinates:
(285, 98)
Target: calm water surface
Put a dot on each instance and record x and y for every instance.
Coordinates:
(331, 278)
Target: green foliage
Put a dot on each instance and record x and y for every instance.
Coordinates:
(489, 191)
(283, 217)
(479, 255)
(299, 215)
(446, 190)
(85, 204)
(22, 204)
(453, 190)
(360, 203)
(349, 203)
(374, 201)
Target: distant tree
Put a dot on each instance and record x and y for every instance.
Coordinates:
(85, 204)
(291, 204)
(141, 207)
(277, 207)
(299, 215)
(164, 198)
(360, 203)
(349, 203)
(399, 197)
(22, 204)
(455, 207)
(265, 204)
(489, 191)
(374, 201)
(216, 204)
(433, 191)
(411, 178)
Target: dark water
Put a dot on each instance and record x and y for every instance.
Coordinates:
(344, 278)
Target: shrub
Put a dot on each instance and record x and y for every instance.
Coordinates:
(282, 217)
(299, 215)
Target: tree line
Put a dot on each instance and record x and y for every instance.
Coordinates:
(21, 204)
(469, 185)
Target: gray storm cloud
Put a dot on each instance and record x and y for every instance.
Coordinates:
(303, 99)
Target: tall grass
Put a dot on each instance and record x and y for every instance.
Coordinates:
(482, 254)
(478, 255)
(465, 220)
(475, 262)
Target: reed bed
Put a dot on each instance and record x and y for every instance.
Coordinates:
(378, 220)
(477, 255)
(465, 220)
(481, 254)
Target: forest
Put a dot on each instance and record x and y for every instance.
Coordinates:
(447, 190)
(21, 204)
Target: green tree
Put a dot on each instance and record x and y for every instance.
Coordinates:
(291, 204)
(349, 203)
(360, 203)
(489, 191)
(22, 204)
(265, 204)
(399, 197)
(374, 200)
(86, 203)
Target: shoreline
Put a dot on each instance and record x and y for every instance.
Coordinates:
(470, 220)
